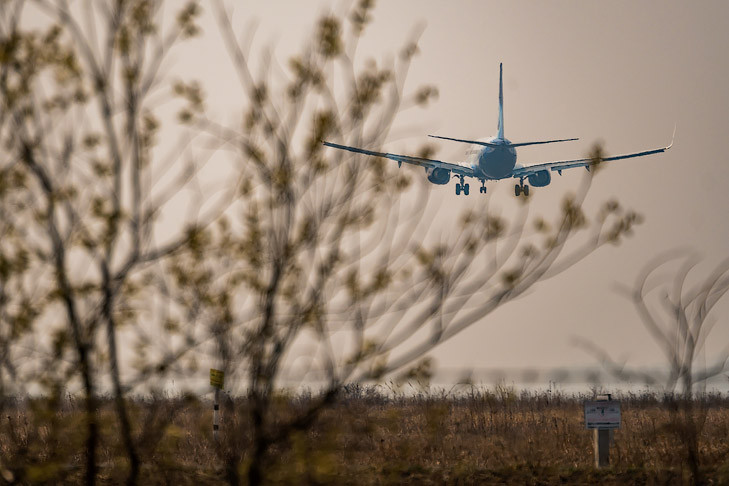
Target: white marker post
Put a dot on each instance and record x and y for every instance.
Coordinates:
(217, 378)
(602, 415)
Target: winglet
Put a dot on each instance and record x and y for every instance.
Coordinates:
(672, 137)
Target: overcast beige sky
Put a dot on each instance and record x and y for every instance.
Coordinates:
(621, 72)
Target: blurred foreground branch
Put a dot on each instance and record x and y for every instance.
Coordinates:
(678, 315)
(301, 259)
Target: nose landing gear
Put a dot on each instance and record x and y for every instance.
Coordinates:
(482, 189)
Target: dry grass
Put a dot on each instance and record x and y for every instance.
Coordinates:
(477, 437)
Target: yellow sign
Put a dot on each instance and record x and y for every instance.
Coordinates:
(217, 377)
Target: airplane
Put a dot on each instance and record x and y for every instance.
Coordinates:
(495, 159)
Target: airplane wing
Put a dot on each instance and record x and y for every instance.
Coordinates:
(408, 159)
(561, 165)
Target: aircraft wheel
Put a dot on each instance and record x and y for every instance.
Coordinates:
(517, 190)
(526, 190)
(458, 189)
(465, 189)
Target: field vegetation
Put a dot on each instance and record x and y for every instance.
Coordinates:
(372, 435)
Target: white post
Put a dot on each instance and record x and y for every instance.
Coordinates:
(216, 411)
(217, 381)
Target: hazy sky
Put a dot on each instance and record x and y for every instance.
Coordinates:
(620, 72)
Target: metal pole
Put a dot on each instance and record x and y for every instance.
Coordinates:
(216, 410)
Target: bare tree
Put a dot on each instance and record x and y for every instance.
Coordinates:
(306, 253)
(333, 257)
(678, 315)
(81, 189)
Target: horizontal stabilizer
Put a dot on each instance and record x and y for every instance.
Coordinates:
(475, 142)
(540, 143)
(505, 144)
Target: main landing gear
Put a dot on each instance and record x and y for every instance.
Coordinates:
(482, 189)
(520, 189)
(462, 186)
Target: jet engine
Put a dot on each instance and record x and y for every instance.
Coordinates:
(540, 179)
(438, 176)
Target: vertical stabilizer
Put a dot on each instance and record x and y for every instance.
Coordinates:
(501, 101)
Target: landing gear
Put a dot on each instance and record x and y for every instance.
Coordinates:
(462, 186)
(482, 189)
(520, 189)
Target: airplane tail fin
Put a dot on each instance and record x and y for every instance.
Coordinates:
(501, 102)
(501, 143)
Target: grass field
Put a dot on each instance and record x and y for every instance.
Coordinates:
(479, 436)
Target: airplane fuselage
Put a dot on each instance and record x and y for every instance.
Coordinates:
(496, 162)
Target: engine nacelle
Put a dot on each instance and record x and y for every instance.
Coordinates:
(540, 179)
(438, 176)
